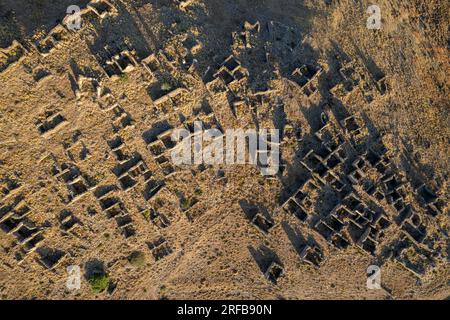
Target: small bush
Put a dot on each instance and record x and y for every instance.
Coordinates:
(185, 204)
(165, 86)
(124, 77)
(137, 259)
(99, 282)
(146, 214)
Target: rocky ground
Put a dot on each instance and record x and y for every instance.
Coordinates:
(86, 178)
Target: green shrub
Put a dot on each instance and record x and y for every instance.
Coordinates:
(146, 214)
(137, 259)
(185, 204)
(165, 86)
(99, 282)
